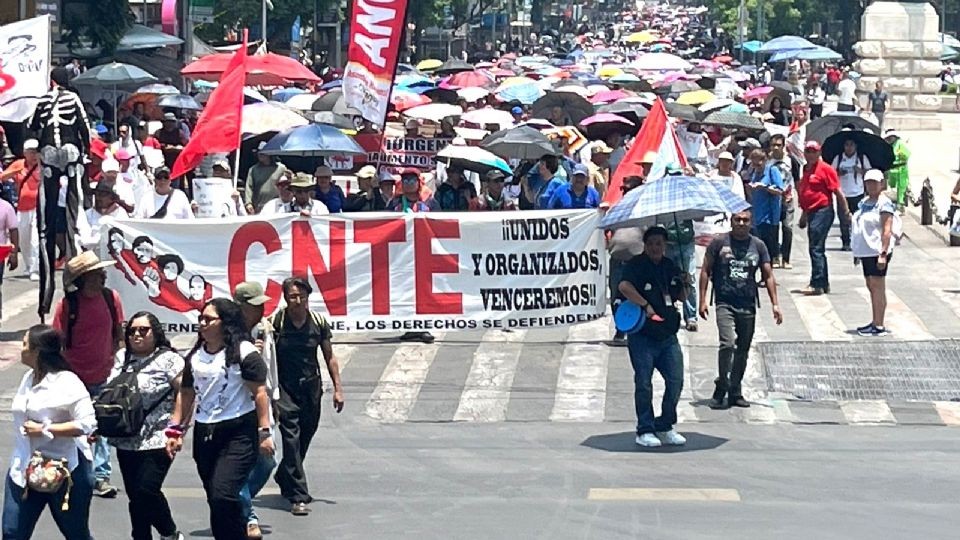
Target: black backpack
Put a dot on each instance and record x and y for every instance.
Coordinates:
(119, 406)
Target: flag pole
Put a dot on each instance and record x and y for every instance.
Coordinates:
(236, 158)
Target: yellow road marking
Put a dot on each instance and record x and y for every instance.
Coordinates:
(664, 494)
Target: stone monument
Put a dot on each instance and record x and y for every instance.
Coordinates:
(901, 46)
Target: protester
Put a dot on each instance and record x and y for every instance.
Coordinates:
(368, 197)
(90, 317)
(766, 189)
(599, 166)
(847, 93)
(783, 163)
(261, 184)
(164, 202)
(328, 193)
(850, 165)
(411, 197)
(52, 415)
(872, 238)
(224, 390)
(303, 187)
(622, 246)
(280, 205)
(299, 334)
(172, 139)
(577, 194)
(654, 283)
(538, 187)
(456, 194)
(129, 144)
(105, 205)
(731, 264)
(143, 458)
(781, 116)
(493, 197)
(25, 174)
(111, 178)
(249, 296)
(818, 187)
(815, 96)
(898, 176)
(879, 102)
(726, 176)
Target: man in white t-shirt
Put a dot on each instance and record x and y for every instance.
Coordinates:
(850, 165)
(847, 92)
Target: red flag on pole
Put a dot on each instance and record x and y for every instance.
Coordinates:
(218, 129)
(656, 136)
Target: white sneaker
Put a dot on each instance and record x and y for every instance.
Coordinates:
(672, 438)
(648, 440)
(34, 277)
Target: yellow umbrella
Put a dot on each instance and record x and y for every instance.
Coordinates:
(696, 98)
(609, 71)
(642, 37)
(429, 64)
(513, 81)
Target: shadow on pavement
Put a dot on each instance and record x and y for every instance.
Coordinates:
(624, 442)
(277, 502)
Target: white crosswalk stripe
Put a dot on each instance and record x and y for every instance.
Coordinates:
(899, 319)
(582, 381)
(399, 386)
(820, 319)
(487, 390)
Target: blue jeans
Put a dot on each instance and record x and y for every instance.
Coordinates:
(818, 227)
(646, 355)
(20, 515)
(101, 450)
(255, 482)
(686, 259)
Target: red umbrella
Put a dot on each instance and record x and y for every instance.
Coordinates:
(757, 93)
(262, 69)
(406, 100)
(468, 79)
(609, 96)
(725, 59)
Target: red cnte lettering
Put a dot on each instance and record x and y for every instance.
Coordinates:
(379, 233)
(307, 261)
(257, 232)
(426, 264)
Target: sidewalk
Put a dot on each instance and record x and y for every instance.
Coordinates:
(935, 155)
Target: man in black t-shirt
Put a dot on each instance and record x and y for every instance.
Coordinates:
(731, 262)
(655, 283)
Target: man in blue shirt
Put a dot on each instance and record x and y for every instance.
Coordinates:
(766, 195)
(538, 193)
(576, 194)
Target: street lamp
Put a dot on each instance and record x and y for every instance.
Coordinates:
(264, 5)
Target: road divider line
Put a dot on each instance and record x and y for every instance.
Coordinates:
(581, 393)
(486, 392)
(664, 494)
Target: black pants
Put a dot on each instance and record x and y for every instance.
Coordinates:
(299, 419)
(845, 222)
(786, 230)
(816, 111)
(143, 474)
(736, 327)
(225, 454)
(770, 234)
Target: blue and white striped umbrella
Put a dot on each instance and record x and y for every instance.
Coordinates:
(524, 93)
(672, 198)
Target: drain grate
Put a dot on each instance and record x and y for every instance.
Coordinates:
(904, 370)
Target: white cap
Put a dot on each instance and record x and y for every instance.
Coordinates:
(31, 144)
(873, 175)
(110, 165)
(323, 170)
(725, 155)
(223, 164)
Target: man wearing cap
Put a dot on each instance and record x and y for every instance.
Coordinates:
(456, 194)
(105, 204)
(249, 296)
(368, 198)
(164, 201)
(599, 167)
(90, 317)
(576, 194)
(492, 197)
(898, 176)
(171, 138)
(539, 185)
(517, 113)
(280, 205)
(411, 197)
(261, 184)
(819, 186)
(110, 176)
(303, 187)
(25, 174)
(330, 194)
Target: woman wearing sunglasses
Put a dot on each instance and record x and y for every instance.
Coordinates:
(224, 389)
(143, 458)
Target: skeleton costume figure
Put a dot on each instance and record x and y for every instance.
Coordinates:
(60, 124)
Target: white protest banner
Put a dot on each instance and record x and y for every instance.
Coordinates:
(213, 197)
(24, 67)
(372, 272)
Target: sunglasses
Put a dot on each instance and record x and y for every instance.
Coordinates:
(206, 319)
(741, 220)
(410, 180)
(140, 330)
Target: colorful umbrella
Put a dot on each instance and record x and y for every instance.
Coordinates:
(262, 69)
(429, 65)
(406, 100)
(672, 199)
(757, 93)
(271, 116)
(625, 78)
(786, 43)
(468, 79)
(513, 81)
(601, 125)
(641, 37)
(633, 111)
(312, 140)
(472, 158)
(526, 94)
(434, 112)
(697, 97)
(609, 96)
(284, 94)
(607, 72)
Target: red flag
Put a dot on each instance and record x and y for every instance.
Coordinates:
(657, 136)
(218, 129)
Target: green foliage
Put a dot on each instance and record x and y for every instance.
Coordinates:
(102, 23)
(426, 13)
(781, 17)
(240, 14)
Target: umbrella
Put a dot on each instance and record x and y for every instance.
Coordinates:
(573, 89)
(641, 37)
(471, 158)
(601, 125)
(114, 74)
(179, 101)
(334, 101)
(453, 66)
(405, 100)
(336, 83)
(661, 62)
(633, 111)
(573, 106)
(733, 120)
(429, 64)
(312, 140)
(723, 105)
(284, 94)
(685, 112)
(786, 43)
(485, 116)
(697, 97)
(303, 102)
(877, 150)
(609, 96)
(757, 93)
(510, 82)
(823, 127)
(607, 72)
(158, 89)
(262, 69)
(472, 94)
(442, 95)
(523, 142)
(333, 119)
(672, 199)
(468, 79)
(270, 116)
(434, 112)
(752, 46)
(412, 79)
(817, 53)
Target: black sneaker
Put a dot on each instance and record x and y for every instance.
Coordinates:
(739, 402)
(864, 328)
(102, 488)
(874, 331)
(718, 404)
(426, 337)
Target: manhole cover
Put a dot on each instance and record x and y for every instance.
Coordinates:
(919, 370)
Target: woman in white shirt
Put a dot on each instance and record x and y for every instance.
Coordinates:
(874, 226)
(850, 165)
(164, 202)
(224, 388)
(105, 205)
(52, 414)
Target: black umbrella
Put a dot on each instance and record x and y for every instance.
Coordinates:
(877, 150)
(823, 127)
(442, 95)
(327, 101)
(333, 119)
(453, 65)
(733, 120)
(680, 87)
(631, 110)
(685, 112)
(522, 142)
(574, 106)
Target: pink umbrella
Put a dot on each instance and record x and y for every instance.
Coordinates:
(601, 125)
(501, 73)
(467, 79)
(605, 118)
(406, 100)
(609, 96)
(757, 93)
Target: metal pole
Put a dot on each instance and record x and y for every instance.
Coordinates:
(741, 25)
(263, 23)
(316, 30)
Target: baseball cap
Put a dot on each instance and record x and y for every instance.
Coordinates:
(891, 133)
(169, 117)
(811, 146)
(110, 165)
(750, 143)
(385, 176)
(581, 169)
(601, 147)
(367, 171)
(725, 155)
(323, 170)
(517, 110)
(121, 155)
(250, 292)
(873, 175)
(222, 163)
(496, 175)
(31, 144)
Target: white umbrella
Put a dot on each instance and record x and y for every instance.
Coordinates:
(482, 117)
(434, 112)
(260, 118)
(474, 93)
(573, 89)
(302, 102)
(661, 62)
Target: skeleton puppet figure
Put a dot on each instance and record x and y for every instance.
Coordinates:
(60, 125)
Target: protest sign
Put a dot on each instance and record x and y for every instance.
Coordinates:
(24, 67)
(401, 151)
(376, 29)
(372, 272)
(214, 197)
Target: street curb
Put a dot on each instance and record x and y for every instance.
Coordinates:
(937, 230)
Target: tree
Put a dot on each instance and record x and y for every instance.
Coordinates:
(239, 14)
(781, 17)
(101, 23)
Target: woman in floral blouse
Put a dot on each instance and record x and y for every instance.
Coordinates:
(143, 459)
